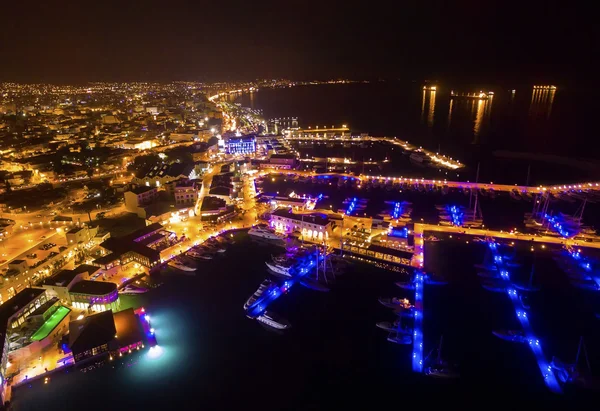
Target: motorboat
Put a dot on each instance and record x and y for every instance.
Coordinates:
(388, 326)
(494, 286)
(396, 303)
(585, 284)
(488, 274)
(440, 372)
(517, 336)
(434, 280)
(273, 320)
(526, 287)
(488, 267)
(265, 285)
(183, 265)
(131, 289)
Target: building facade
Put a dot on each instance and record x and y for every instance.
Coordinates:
(186, 193)
(139, 197)
(313, 227)
(240, 145)
(97, 296)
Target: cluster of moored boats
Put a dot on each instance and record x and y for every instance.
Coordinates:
(402, 330)
(297, 264)
(209, 249)
(459, 216)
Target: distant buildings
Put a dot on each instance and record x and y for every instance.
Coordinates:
(240, 145)
(161, 174)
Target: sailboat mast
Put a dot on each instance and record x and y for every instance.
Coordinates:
(531, 274)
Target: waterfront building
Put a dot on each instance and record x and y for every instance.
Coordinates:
(94, 295)
(104, 333)
(59, 284)
(375, 252)
(142, 246)
(314, 226)
(12, 315)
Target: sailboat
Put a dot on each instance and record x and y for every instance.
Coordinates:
(440, 368)
(572, 373)
(529, 286)
(315, 284)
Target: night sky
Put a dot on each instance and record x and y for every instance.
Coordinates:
(69, 42)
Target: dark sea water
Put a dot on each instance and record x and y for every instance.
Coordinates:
(333, 357)
(562, 123)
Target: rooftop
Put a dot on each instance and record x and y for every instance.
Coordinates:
(93, 287)
(17, 262)
(19, 301)
(61, 279)
(212, 203)
(313, 218)
(128, 327)
(50, 324)
(92, 331)
(142, 189)
(389, 251)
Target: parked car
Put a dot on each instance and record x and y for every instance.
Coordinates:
(32, 255)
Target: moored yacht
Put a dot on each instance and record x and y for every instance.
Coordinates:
(265, 233)
(258, 293)
(281, 268)
(181, 264)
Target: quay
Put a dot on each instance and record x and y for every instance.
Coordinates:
(416, 182)
(420, 228)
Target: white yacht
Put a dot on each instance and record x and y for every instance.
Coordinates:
(183, 265)
(258, 293)
(265, 233)
(280, 268)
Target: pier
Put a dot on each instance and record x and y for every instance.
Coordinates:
(420, 228)
(300, 270)
(533, 342)
(417, 353)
